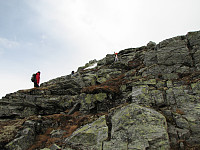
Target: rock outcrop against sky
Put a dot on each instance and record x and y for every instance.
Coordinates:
(149, 99)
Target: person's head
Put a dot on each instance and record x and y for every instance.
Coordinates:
(38, 72)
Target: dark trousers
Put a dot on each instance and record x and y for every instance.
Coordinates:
(35, 84)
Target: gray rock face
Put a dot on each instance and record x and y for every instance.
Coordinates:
(90, 136)
(173, 57)
(136, 127)
(159, 83)
(193, 43)
(133, 127)
(107, 60)
(174, 51)
(180, 101)
(25, 138)
(22, 105)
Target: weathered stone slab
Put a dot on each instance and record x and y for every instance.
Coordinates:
(136, 127)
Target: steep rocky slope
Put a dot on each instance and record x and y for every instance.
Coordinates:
(149, 99)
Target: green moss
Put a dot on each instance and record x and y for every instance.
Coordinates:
(171, 76)
(100, 96)
(100, 122)
(191, 119)
(92, 134)
(101, 80)
(86, 138)
(93, 82)
(197, 106)
(160, 84)
(88, 98)
(151, 81)
(123, 88)
(81, 129)
(96, 97)
(107, 76)
(196, 87)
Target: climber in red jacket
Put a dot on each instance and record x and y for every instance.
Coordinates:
(116, 57)
(37, 81)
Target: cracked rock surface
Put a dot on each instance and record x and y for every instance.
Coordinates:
(149, 99)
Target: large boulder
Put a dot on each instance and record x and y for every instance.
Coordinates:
(91, 136)
(129, 127)
(174, 51)
(136, 127)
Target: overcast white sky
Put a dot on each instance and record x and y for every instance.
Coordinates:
(58, 36)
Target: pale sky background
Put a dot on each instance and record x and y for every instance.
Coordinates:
(58, 36)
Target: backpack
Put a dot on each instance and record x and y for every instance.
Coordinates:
(33, 78)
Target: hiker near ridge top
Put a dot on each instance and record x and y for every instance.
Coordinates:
(36, 79)
(72, 74)
(116, 57)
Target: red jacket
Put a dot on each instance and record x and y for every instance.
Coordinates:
(38, 78)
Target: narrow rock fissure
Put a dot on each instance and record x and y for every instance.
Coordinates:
(179, 140)
(191, 53)
(109, 124)
(13, 116)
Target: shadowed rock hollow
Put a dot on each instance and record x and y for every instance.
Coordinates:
(149, 99)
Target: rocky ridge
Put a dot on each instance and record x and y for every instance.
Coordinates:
(149, 99)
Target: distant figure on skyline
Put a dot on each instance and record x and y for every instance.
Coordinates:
(37, 79)
(72, 73)
(116, 57)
